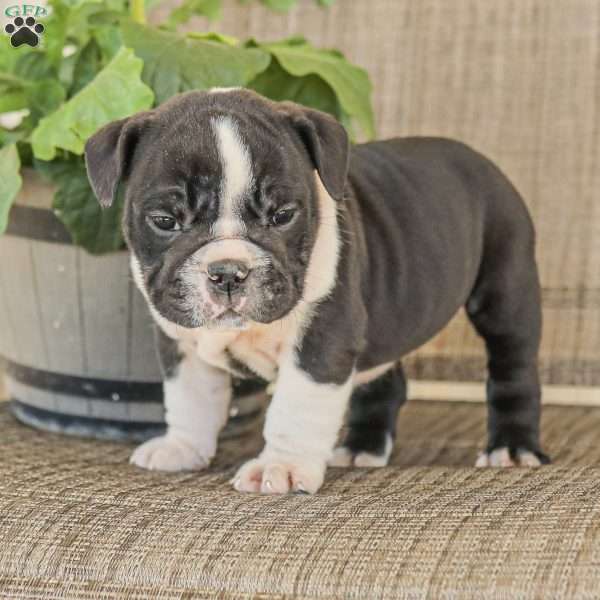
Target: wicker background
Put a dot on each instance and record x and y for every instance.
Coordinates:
(520, 81)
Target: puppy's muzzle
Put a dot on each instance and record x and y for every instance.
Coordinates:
(227, 276)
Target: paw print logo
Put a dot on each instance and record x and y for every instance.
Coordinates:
(24, 32)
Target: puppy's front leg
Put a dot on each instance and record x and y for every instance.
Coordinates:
(301, 428)
(197, 398)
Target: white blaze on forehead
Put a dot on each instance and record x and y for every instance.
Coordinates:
(223, 90)
(237, 177)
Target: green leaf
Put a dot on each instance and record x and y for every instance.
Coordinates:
(55, 34)
(174, 63)
(23, 147)
(213, 36)
(10, 181)
(8, 82)
(13, 92)
(87, 65)
(277, 84)
(97, 230)
(350, 83)
(279, 5)
(71, 21)
(211, 9)
(76, 120)
(44, 97)
(11, 136)
(10, 101)
(106, 17)
(94, 54)
(109, 40)
(33, 65)
(8, 56)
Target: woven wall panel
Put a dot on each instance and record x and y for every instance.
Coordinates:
(520, 81)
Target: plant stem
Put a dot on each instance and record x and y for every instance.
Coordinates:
(137, 10)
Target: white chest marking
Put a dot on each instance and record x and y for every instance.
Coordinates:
(322, 267)
(237, 177)
(259, 347)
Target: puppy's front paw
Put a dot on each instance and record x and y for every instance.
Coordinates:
(279, 475)
(168, 453)
(505, 457)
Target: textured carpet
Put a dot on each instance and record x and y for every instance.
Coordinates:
(76, 521)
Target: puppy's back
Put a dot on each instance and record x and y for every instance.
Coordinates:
(430, 209)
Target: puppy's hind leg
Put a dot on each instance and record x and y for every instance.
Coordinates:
(505, 308)
(372, 419)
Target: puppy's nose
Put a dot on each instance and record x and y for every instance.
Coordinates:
(227, 275)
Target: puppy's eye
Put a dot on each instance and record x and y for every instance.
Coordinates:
(283, 216)
(165, 222)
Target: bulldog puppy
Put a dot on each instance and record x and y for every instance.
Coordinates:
(267, 246)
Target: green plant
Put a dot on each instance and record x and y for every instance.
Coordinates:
(100, 61)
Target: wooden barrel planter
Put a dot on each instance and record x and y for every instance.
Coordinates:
(76, 338)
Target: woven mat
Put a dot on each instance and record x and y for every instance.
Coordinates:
(76, 521)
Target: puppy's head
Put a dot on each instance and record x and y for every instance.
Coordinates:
(222, 204)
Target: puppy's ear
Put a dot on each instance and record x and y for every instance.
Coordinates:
(108, 155)
(327, 144)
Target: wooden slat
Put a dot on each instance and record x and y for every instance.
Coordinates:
(103, 302)
(56, 273)
(143, 363)
(9, 342)
(22, 296)
(459, 391)
(34, 396)
(146, 412)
